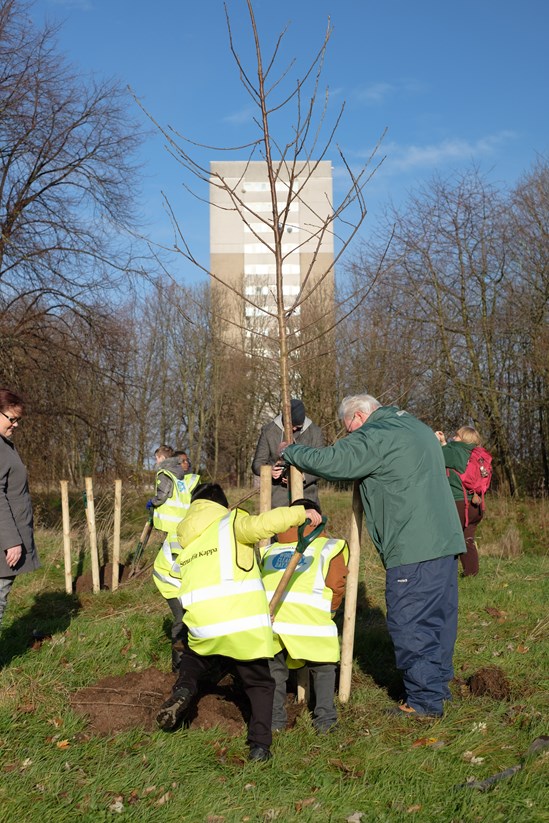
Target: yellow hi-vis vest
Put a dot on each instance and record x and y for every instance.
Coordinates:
(226, 609)
(167, 516)
(168, 582)
(303, 621)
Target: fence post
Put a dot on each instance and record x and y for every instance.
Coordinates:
(66, 535)
(90, 517)
(349, 616)
(116, 535)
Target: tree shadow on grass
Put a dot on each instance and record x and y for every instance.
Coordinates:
(373, 649)
(50, 613)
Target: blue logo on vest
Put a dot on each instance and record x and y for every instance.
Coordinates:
(280, 561)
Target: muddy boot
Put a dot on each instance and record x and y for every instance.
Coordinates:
(173, 710)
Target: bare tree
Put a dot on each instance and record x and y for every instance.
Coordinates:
(291, 155)
(67, 183)
(67, 192)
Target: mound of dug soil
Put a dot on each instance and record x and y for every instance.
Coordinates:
(490, 681)
(117, 704)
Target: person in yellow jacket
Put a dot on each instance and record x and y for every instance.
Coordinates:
(174, 486)
(218, 582)
(304, 629)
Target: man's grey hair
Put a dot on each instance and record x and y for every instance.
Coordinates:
(357, 402)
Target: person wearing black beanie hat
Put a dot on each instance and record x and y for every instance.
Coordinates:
(306, 433)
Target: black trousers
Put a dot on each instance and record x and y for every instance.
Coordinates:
(256, 680)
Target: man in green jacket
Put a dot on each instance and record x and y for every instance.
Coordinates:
(413, 523)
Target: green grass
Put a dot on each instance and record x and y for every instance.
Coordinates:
(372, 764)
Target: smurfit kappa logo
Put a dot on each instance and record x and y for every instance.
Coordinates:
(280, 561)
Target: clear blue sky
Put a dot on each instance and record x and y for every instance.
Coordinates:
(454, 83)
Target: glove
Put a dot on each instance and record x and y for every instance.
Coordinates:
(149, 504)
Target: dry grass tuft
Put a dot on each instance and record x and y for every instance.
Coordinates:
(507, 546)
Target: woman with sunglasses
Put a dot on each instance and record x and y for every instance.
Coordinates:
(17, 549)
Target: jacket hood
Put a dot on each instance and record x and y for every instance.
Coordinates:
(278, 422)
(172, 465)
(201, 514)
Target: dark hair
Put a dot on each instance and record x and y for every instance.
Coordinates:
(210, 491)
(9, 399)
(307, 504)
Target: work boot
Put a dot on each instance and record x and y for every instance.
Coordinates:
(259, 753)
(404, 710)
(172, 711)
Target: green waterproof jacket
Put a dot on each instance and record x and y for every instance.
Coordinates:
(408, 506)
(456, 456)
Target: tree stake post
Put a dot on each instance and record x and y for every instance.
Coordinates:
(116, 533)
(349, 616)
(90, 517)
(66, 535)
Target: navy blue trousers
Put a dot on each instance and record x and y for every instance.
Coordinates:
(422, 608)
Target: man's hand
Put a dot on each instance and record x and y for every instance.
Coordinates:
(314, 517)
(149, 505)
(283, 446)
(13, 556)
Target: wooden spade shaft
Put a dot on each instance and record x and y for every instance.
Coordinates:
(284, 580)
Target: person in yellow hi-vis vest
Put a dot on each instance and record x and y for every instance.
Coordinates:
(174, 486)
(304, 629)
(217, 580)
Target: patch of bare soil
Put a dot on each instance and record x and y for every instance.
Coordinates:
(490, 681)
(131, 701)
(84, 583)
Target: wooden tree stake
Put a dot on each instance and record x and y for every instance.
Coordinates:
(66, 535)
(349, 616)
(90, 517)
(116, 535)
(265, 494)
(302, 675)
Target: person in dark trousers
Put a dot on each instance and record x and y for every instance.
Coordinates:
(413, 523)
(304, 629)
(456, 454)
(17, 549)
(306, 433)
(217, 580)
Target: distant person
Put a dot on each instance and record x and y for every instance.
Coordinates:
(413, 523)
(17, 549)
(174, 486)
(303, 626)
(306, 433)
(469, 504)
(184, 461)
(218, 582)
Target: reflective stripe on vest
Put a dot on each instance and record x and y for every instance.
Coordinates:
(226, 609)
(166, 573)
(303, 622)
(167, 517)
